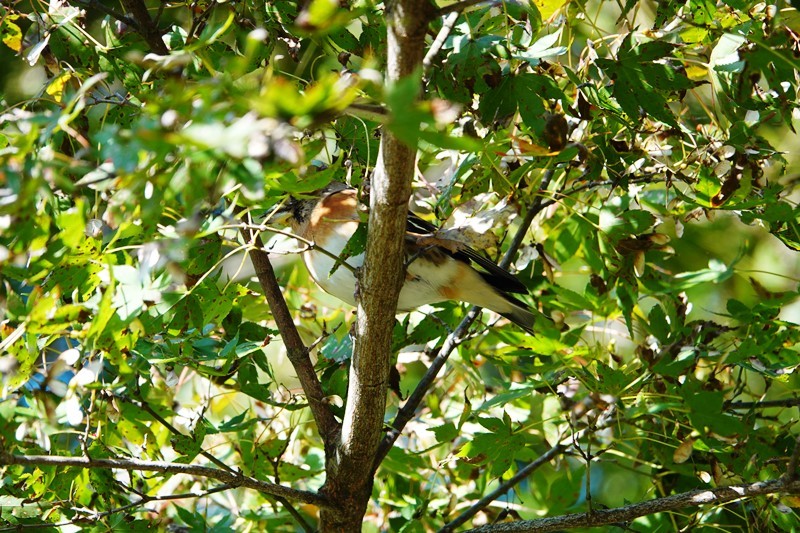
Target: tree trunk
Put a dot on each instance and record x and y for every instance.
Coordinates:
(349, 470)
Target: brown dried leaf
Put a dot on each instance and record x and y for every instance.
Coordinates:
(684, 451)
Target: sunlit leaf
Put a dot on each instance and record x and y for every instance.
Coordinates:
(10, 32)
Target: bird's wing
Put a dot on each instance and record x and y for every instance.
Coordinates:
(496, 276)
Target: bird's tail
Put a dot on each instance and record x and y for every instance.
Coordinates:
(505, 305)
(476, 289)
(519, 314)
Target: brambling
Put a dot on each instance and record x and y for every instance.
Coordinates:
(434, 273)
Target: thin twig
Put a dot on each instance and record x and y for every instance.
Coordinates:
(536, 207)
(791, 402)
(596, 185)
(406, 413)
(448, 24)
(235, 479)
(147, 499)
(375, 113)
(310, 245)
(458, 7)
(504, 487)
(143, 405)
(308, 528)
(791, 469)
(561, 447)
(146, 27)
(86, 515)
(587, 456)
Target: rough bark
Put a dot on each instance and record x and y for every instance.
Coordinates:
(350, 479)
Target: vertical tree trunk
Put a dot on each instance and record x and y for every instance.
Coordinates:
(349, 470)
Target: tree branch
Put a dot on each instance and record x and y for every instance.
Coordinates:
(309, 245)
(448, 24)
(96, 4)
(234, 479)
(570, 441)
(375, 113)
(146, 27)
(524, 472)
(85, 515)
(144, 500)
(308, 528)
(143, 405)
(627, 513)
(791, 469)
(406, 413)
(458, 7)
(296, 350)
(763, 404)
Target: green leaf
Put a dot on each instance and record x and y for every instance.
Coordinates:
(355, 246)
(637, 79)
(249, 384)
(626, 299)
(567, 242)
(338, 350)
(611, 380)
(716, 272)
(676, 364)
(445, 433)
(705, 412)
(659, 326)
(190, 445)
(523, 93)
(517, 392)
(204, 255)
(542, 345)
(406, 115)
(216, 304)
(493, 449)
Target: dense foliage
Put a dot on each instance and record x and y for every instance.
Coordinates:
(654, 142)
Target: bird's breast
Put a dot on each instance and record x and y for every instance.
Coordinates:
(428, 279)
(340, 282)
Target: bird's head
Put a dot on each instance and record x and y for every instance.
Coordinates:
(297, 210)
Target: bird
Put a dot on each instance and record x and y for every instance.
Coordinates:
(329, 217)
